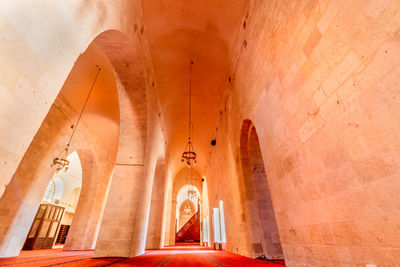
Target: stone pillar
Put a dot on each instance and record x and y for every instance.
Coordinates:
(24, 193)
(123, 216)
(167, 210)
(124, 224)
(155, 224)
(20, 202)
(86, 222)
(172, 229)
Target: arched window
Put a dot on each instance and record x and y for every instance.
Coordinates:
(59, 188)
(50, 190)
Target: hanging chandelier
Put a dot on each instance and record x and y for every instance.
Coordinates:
(60, 162)
(189, 156)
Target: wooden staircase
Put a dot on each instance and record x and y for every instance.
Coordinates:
(190, 232)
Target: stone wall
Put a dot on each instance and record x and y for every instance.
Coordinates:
(154, 237)
(39, 45)
(319, 80)
(24, 194)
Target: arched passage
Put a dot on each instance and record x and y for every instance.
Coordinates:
(262, 223)
(95, 141)
(130, 191)
(184, 177)
(57, 207)
(114, 121)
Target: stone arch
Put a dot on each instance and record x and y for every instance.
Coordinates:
(183, 198)
(129, 187)
(260, 213)
(98, 158)
(42, 67)
(52, 36)
(25, 192)
(129, 75)
(182, 178)
(182, 194)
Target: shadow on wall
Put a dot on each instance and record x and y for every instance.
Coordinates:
(261, 223)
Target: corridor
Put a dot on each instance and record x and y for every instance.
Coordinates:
(169, 256)
(265, 128)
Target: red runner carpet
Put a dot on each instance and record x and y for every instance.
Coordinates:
(183, 255)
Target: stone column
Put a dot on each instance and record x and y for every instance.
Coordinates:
(85, 225)
(124, 224)
(155, 224)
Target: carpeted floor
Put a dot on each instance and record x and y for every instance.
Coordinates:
(182, 255)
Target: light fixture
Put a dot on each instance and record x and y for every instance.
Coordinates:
(60, 162)
(189, 156)
(187, 209)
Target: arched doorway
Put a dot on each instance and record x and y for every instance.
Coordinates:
(57, 208)
(41, 82)
(188, 214)
(95, 141)
(183, 200)
(184, 179)
(262, 225)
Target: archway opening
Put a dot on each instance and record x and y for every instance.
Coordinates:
(56, 211)
(262, 224)
(95, 140)
(188, 215)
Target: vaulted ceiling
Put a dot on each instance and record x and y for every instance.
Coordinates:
(179, 31)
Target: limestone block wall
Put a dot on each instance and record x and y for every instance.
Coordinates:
(319, 80)
(141, 143)
(24, 194)
(154, 237)
(168, 209)
(38, 47)
(124, 226)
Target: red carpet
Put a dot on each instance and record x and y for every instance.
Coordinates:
(183, 255)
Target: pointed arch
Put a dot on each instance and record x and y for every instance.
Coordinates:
(261, 221)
